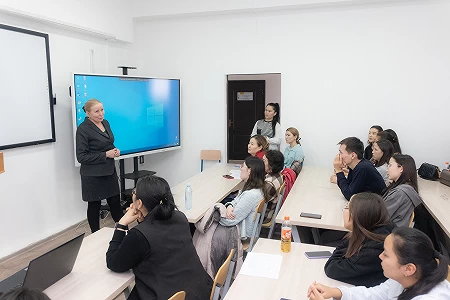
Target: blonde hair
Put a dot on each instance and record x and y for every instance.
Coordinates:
(88, 105)
(261, 141)
(295, 132)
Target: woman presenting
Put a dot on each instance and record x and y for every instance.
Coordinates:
(270, 126)
(95, 152)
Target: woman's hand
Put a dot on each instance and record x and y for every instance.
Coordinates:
(111, 153)
(320, 291)
(230, 212)
(130, 216)
(333, 178)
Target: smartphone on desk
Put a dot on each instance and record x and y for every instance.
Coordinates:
(318, 254)
(310, 215)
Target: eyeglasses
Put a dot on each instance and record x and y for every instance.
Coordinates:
(345, 207)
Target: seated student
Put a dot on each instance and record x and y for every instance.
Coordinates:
(257, 146)
(373, 131)
(293, 151)
(401, 196)
(159, 249)
(391, 136)
(356, 260)
(415, 271)
(24, 294)
(243, 207)
(273, 163)
(381, 153)
(362, 175)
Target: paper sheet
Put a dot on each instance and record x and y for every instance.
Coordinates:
(262, 265)
(236, 174)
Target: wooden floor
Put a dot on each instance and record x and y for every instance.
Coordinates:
(19, 260)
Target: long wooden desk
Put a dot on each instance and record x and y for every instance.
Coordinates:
(90, 278)
(296, 274)
(312, 192)
(208, 188)
(436, 198)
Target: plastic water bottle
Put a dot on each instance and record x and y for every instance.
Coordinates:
(446, 167)
(286, 233)
(188, 197)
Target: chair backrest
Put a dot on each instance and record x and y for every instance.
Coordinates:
(178, 296)
(221, 276)
(209, 155)
(411, 220)
(448, 274)
(259, 216)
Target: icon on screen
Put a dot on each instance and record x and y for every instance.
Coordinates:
(79, 119)
(85, 86)
(85, 94)
(84, 78)
(79, 110)
(78, 85)
(79, 102)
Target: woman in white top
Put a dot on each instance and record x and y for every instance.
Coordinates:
(270, 126)
(415, 271)
(382, 151)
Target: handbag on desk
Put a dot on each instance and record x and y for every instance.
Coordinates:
(445, 177)
(429, 171)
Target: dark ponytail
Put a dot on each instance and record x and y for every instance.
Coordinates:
(276, 117)
(155, 194)
(412, 246)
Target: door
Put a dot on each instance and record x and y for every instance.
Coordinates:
(246, 101)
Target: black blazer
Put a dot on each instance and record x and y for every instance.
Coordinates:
(91, 147)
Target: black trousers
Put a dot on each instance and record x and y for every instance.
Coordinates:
(93, 211)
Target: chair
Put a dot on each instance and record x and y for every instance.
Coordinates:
(220, 279)
(248, 244)
(411, 220)
(178, 296)
(209, 155)
(448, 274)
(271, 223)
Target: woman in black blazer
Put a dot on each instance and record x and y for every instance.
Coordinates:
(159, 249)
(95, 152)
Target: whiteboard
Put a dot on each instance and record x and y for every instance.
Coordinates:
(26, 101)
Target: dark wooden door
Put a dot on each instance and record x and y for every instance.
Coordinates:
(246, 101)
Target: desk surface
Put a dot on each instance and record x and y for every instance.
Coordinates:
(436, 198)
(90, 278)
(296, 274)
(313, 193)
(208, 188)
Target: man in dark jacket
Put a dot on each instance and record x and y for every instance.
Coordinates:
(362, 175)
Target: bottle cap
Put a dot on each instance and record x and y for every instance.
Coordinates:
(286, 217)
(446, 162)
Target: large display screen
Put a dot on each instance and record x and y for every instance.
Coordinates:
(144, 113)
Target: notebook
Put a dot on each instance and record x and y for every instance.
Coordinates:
(46, 269)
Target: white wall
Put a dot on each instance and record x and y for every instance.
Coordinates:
(343, 70)
(40, 189)
(108, 17)
(273, 84)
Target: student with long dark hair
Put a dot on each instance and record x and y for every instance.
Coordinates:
(391, 136)
(270, 127)
(402, 195)
(370, 139)
(243, 207)
(415, 271)
(257, 146)
(159, 249)
(382, 151)
(356, 260)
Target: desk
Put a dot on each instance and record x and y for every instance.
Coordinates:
(90, 278)
(312, 192)
(208, 188)
(296, 274)
(436, 198)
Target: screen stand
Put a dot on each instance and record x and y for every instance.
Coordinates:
(125, 194)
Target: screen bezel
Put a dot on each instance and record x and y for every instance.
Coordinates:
(129, 155)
